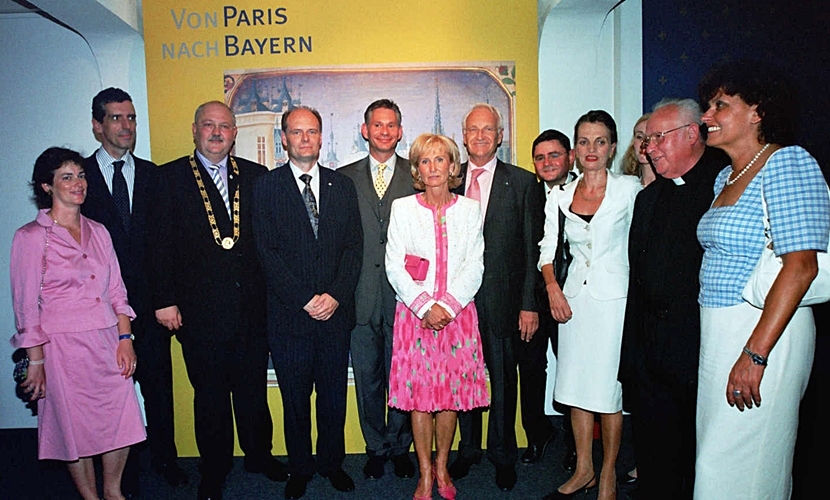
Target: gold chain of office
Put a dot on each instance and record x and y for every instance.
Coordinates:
(227, 243)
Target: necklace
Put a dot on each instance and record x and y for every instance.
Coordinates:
(73, 227)
(729, 181)
(227, 243)
(584, 188)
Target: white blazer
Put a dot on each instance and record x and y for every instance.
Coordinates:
(599, 249)
(412, 230)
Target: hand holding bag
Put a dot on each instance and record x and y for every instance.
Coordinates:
(562, 258)
(416, 267)
(769, 265)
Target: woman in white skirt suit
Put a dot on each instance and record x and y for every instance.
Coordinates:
(598, 208)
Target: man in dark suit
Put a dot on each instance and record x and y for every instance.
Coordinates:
(552, 159)
(119, 198)
(207, 286)
(506, 302)
(661, 337)
(308, 234)
(380, 178)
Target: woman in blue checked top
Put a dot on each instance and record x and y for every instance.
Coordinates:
(750, 355)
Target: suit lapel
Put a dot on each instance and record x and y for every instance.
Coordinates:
(463, 175)
(498, 190)
(366, 185)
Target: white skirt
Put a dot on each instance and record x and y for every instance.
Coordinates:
(749, 454)
(589, 355)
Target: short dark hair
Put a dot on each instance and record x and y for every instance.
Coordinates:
(382, 104)
(105, 97)
(44, 171)
(760, 84)
(551, 135)
(598, 116)
(284, 121)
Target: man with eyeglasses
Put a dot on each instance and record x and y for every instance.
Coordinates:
(661, 336)
(506, 302)
(552, 159)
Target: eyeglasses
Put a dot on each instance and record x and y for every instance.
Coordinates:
(657, 137)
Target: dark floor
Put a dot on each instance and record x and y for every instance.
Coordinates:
(23, 477)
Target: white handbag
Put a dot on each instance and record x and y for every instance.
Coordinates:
(769, 265)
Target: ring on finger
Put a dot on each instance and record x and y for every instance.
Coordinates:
(736, 393)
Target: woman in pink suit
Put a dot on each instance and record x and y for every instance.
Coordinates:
(437, 363)
(73, 319)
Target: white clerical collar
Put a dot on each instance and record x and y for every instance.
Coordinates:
(678, 181)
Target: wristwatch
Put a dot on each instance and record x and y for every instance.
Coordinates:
(755, 357)
(126, 336)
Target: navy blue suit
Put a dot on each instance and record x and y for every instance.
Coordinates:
(152, 341)
(309, 354)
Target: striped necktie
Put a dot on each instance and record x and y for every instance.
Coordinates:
(220, 185)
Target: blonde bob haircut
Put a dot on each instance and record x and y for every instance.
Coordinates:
(428, 143)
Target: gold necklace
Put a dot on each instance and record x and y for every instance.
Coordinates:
(227, 243)
(584, 188)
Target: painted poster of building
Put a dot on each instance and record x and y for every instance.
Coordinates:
(432, 99)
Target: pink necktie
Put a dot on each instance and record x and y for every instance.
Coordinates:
(474, 191)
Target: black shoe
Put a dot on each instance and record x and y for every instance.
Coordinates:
(404, 468)
(558, 495)
(535, 451)
(627, 480)
(271, 467)
(461, 467)
(505, 477)
(210, 489)
(340, 480)
(374, 467)
(569, 463)
(172, 473)
(296, 486)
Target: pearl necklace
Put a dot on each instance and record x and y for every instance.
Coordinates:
(729, 182)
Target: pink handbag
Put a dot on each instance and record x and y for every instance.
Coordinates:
(416, 267)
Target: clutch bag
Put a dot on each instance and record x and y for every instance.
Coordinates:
(416, 267)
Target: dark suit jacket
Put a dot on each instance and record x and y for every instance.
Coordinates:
(662, 318)
(511, 250)
(296, 264)
(220, 293)
(129, 248)
(374, 215)
(538, 200)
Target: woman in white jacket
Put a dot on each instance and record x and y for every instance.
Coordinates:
(591, 308)
(437, 363)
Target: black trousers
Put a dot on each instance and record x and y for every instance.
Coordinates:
(500, 358)
(313, 361)
(229, 379)
(532, 358)
(663, 418)
(154, 372)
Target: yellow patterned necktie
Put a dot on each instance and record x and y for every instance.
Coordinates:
(380, 182)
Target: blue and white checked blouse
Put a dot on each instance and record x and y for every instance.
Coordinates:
(733, 237)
